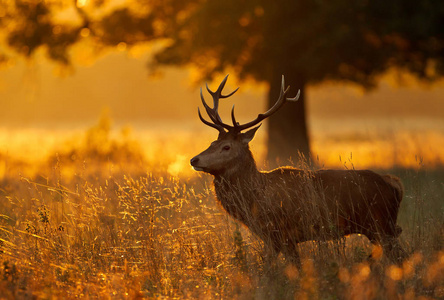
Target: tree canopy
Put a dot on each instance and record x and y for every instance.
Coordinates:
(308, 41)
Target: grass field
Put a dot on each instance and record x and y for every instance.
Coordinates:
(103, 216)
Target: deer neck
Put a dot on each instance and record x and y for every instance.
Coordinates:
(238, 188)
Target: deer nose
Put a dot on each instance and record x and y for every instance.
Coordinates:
(194, 160)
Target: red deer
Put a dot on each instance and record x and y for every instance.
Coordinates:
(287, 206)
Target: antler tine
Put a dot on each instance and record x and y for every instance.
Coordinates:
(281, 101)
(230, 94)
(296, 98)
(218, 93)
(203, 100)
(216, 126)
(233, 118)
(213, 112)
(215, 100)
(220, 88)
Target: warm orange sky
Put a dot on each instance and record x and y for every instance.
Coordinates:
(392, 125)
(32, 95)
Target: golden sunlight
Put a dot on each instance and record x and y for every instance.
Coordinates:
(98, 198)
(81, 3)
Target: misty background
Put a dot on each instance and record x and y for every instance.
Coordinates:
(366, 74)
(37, 93)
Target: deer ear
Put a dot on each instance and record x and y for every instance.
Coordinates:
(247, 136)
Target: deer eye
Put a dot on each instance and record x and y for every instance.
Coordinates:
(226, 148)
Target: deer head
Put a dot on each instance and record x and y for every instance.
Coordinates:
(230, 151)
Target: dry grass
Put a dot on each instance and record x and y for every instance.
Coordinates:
(100, 220)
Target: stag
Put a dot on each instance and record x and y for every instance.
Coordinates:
(287, 206)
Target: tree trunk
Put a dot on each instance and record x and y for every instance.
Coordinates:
(287, 128)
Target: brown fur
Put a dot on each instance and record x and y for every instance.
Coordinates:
(287, 206)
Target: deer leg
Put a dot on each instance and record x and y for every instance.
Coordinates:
(294, 258)
(270, 254)
(291, 254)
(393, 249)
(340, 246)
(376, 242)
(390, 246)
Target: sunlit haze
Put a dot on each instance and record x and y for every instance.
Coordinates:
(343, 120)
(112, 186)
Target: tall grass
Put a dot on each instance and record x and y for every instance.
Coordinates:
(93, 222)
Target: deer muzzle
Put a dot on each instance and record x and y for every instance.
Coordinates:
(194, 163)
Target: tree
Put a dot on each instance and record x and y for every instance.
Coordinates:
(308, 41)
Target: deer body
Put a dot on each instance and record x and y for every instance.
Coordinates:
(287, 206)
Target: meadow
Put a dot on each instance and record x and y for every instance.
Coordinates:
(106, 214)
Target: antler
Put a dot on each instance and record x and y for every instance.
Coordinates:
(279, 103)
(213, 112)
(221, 126)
